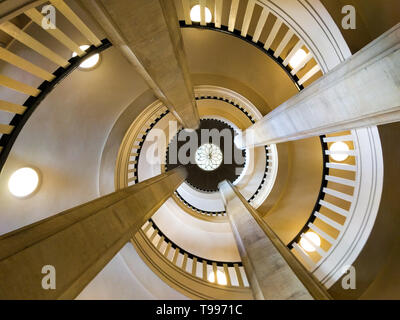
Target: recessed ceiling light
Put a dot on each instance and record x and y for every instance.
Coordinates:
(338, 151)
(221, 278)
(297, 58)
(23, 182)
(195, 14)
(305, 243)
(88, 63)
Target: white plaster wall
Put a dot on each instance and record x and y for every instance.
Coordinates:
(64, 139)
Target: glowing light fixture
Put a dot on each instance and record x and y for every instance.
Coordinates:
(305, 243)
(23, 182)
(195, 14)
(297, 58)
(221, 278)
(338, 150)
(89, 63)
(208, 157)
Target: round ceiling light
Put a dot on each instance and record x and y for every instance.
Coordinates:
(195, 14)
(314, 238)
(297, 58)
(90, 62)
(338, 151)
(23, 182)
(221, 278)
(208, 157)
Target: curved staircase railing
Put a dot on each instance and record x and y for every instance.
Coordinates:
(200, 211)
(182, 279)
(281, 42)
(9, 132)
(346, 206)
(332, 212)
(128, 172)
(205, 269)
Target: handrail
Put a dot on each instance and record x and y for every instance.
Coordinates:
(321, 194)
(307, 278)
(337, 210)
(140, 139)
(259, 45)
(19, 120)
(136, 150)
(183, 280)
(204, 212)
(189, 262)
(277, 54)
(348, 207)
(233, 103)
(264, 176)
(191, 255)
(22, 113)
(322, 204)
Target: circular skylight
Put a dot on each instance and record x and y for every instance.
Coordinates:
(208, 157)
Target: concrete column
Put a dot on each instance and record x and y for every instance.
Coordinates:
(78, 242)
(360, 92)
(148, 34)
(273, 272)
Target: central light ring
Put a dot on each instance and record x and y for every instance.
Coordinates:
(208, 157)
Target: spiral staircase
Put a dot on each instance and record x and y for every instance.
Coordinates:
(186, 249)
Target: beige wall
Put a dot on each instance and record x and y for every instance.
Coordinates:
(372, 19)
(297, 195)
(213, 54)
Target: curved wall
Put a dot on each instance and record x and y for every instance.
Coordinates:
(127, 277)
(215, 56)
(64, 139)
(66, 136)
(313, 24)
(210, 240)
(377, 266)
(297, 195)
